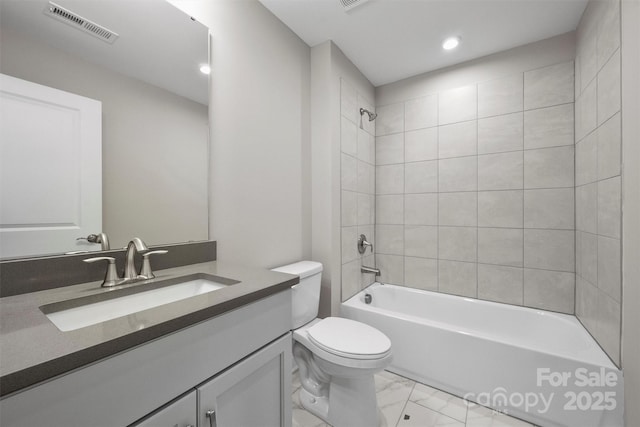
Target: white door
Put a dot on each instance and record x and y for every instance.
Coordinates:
(50, 169)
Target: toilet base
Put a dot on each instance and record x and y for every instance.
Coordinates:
(351, 403)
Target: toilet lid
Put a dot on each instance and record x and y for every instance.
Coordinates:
(349, 338)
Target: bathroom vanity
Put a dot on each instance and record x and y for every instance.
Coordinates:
(200, 361)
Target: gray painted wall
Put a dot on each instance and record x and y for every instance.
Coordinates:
(154, 145)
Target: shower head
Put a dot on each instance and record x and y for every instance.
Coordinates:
(372, 116)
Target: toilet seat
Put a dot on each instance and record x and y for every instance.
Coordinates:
(350, 339)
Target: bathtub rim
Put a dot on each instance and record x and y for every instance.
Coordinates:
(605, 361)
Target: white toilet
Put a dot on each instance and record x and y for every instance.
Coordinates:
(337, 358)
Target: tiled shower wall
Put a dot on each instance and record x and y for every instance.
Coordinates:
(357, 186)
(598, 159)
(475, 190)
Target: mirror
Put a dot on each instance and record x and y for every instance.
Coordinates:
(155, 148)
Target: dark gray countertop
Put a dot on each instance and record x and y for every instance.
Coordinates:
(32, 349)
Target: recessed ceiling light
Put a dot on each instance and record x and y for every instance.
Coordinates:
(205, 69)
(451, 43)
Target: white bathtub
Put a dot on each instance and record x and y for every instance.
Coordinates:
(539, 366)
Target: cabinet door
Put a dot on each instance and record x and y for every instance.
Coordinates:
(180, 413)
(255, 392)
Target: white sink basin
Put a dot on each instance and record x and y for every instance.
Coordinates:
(96, 312)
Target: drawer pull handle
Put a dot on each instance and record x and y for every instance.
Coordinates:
(212, 418)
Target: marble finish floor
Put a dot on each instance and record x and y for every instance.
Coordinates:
(406, 403)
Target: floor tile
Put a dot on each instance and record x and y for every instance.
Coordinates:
(479, 416)
(415, 415)
(406, 403)
(440, 401)
(392, 392)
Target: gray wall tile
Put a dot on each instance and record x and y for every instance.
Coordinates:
(502, 246)
(586, 111)
(457, 105)
(500, 96)
(501, 133)
(421, 145)
(458, 243)
(390, 119)
(349, 239)
(349, 208)
(549, 290)
(389, 239)
(549, 127)
(350, 279)
(609, 89)
(586, 46)
(348, 137)
(460, 208)
(458, 139)
(421, 177)
(366, 147)
(500, 208)
(458, 174)
(608, 39)
(421, 273)
(609, 267)
(500, 284)
(349, 173)
(586, 161)
(586, 303)
(608, 316)
(548, 86)
(609, 207)
(421, 241)
(391, 269)
(549, 208)
(421, 113)
(390, 149)
(589, 257)
(609, 147)
(587, 208)
(503, 171)
(549, 167)
(390, 179)
(349, 102)
(549, 249)
(389, 209)
(366, 209)
(421, 209)
(458, 278)
(365, 170)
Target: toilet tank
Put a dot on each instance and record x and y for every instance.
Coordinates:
(305, 295)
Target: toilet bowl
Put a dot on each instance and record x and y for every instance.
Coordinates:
(336, 357)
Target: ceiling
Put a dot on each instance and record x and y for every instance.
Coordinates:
(157, 43)
(389, 40)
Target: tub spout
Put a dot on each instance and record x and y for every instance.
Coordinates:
(365, 269)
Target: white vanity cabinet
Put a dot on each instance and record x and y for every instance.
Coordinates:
(238, 364)
(180, 413)
(252, 393)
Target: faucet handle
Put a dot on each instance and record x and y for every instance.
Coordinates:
(146, 264)
(111, 276)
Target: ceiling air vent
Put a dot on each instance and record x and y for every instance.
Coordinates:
(350, 4)
(76, 21)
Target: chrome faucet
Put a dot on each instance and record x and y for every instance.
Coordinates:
(135, 245)
(101, 238)
(365, 269)
(362, 244)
